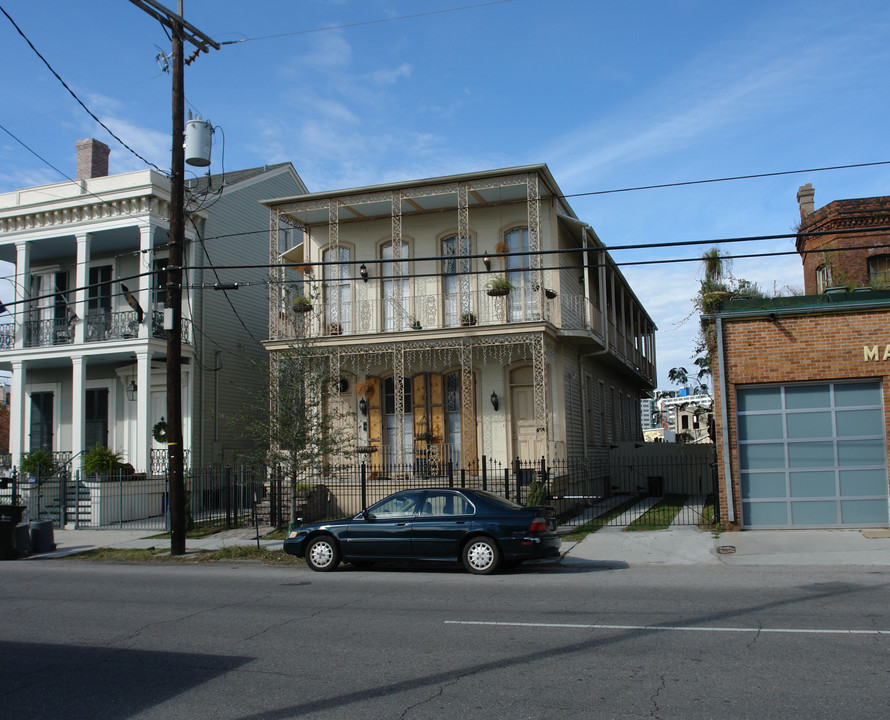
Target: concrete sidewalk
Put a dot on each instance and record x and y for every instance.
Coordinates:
(609, 546)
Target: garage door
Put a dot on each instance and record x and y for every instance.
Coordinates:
(812, 455)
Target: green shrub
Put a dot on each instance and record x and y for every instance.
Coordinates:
(100, 460)
(537, 493)
(38, 462)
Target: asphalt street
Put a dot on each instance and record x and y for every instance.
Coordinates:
(241, 640)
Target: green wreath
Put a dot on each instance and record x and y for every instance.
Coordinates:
(159, 431)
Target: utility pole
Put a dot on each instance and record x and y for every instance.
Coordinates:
(180, 30)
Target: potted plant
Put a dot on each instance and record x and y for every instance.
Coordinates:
(468, 319)
(501, 248)
(335, 329)
(416, 325)
(102, 461)
(549, 294)
(498, 286)
(38, 463)
(302, 304)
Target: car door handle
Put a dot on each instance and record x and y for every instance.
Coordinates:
(460, 522)
(401, 524)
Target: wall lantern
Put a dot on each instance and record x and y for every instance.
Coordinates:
(487, 262)
(130, 389)
(363, 271)
(494, 400)
(363, 406)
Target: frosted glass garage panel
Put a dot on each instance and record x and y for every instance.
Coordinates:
(762, 456)
(860, 393)
(764, 485)
(863, 482)
(756, 399)
(809, 425)
(813, 484)
(760, 427)
(851, 423)
(811, 454)
(851, 453)
(807, 396)
(814, 513)
(864, 512)
(765, 513)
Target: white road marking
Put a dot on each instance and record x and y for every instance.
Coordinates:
(674, 628)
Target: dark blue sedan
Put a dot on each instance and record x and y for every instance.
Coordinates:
(475, 527)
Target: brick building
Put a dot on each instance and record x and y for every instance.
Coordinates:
(801, 383)
(842, 252)
(801, 393)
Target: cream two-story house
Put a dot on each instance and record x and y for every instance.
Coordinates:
(402, 285)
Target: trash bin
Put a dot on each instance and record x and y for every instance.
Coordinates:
(21, 540)
(10, 516)
(42, 536)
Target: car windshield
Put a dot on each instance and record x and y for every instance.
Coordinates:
(497, 500)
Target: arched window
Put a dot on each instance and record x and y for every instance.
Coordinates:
(457, 282)
(391, 418)
(396, 293)
(520, 299)
(337, 291)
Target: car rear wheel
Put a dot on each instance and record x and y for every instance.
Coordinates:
(323, 554)
(481, 556)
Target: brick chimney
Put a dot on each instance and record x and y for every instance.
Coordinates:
(805, 195)
(92, 159)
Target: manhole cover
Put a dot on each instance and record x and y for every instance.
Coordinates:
(725, 549)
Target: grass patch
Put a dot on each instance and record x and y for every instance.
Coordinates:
(591, 526)
(708, 521)
(661, 515)
(230, 553)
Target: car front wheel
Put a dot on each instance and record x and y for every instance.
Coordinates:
(323, 554)
(481, 556)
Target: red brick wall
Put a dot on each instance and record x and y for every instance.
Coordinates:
(796, 349)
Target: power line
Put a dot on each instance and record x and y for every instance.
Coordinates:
(367, 22)
(74, 95)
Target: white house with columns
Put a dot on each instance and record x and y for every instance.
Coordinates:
(83, 329)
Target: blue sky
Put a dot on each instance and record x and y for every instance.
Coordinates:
(609, 95)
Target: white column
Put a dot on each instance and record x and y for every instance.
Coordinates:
(82, 274)
(78, 377)
(22, 289)
(145, 281)
(142, 459)
(17, 412)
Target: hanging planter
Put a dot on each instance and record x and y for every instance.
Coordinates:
(549, 294)
(501, 248)
(416, 325)
(302, 304)
(498, 287)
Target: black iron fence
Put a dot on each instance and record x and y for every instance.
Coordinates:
(637, 490)
(646, 487)
(219, 496)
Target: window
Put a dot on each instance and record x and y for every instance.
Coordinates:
(96, 417)
(823, 278)
(51, 307)
(337, 291)
(405, 503)
(520, 300)
(41, 430)
(879, 271)
(396, 297)
(457, 283)
(453, 412)
(392, 425)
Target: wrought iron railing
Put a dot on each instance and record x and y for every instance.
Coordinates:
(43, 333)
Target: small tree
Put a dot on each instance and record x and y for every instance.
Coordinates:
(297, 423)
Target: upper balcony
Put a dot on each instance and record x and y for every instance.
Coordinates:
(99, 328)
(571, 315)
